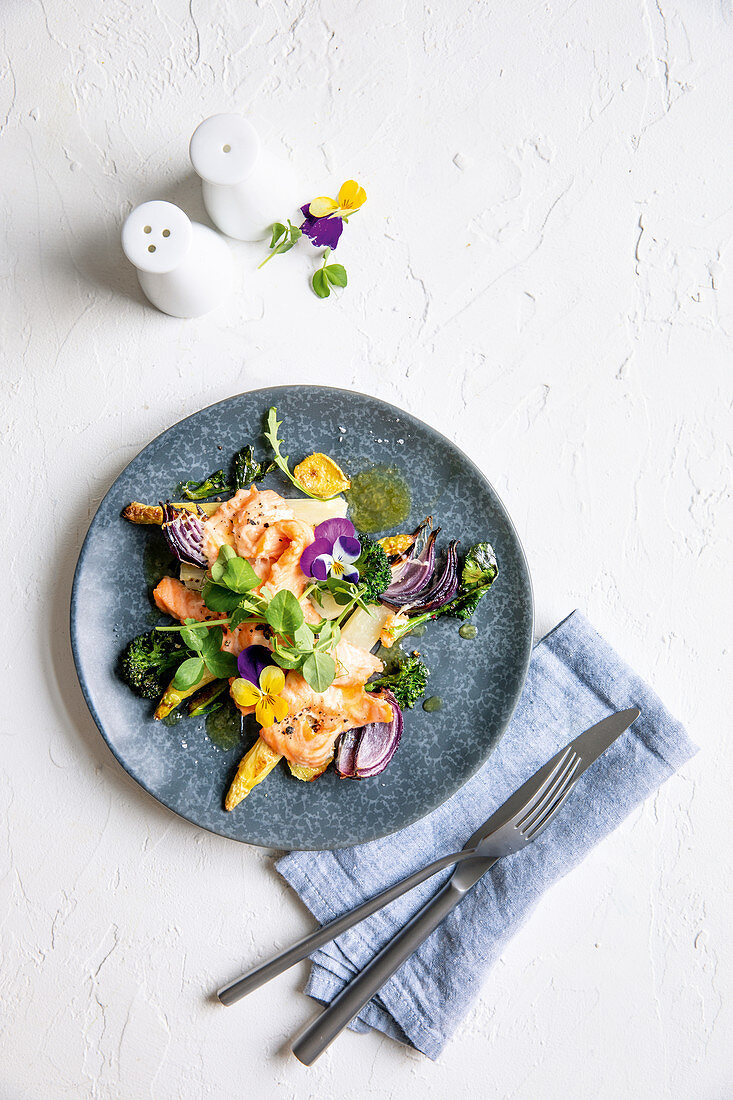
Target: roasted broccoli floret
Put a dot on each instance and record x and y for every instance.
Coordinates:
(406, 679)
(375, 572)
(147, 661)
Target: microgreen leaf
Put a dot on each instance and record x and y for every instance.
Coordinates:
(284, 614)
(188, 673)
(319, 670)
(320, 283)
(219, 567)
(336, 274)
(218, 598)
(282, 240)
(303, 638)
(240, 576)
(221, 664)
(195, 639)
(278, 230)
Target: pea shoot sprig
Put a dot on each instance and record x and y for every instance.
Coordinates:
(305, 647)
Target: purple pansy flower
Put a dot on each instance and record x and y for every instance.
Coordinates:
(321, 232)
(251, 661)
(333, 553)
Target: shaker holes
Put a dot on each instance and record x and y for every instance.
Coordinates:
(166, 232)
(151, 248)
(226, 148)
(148, 229)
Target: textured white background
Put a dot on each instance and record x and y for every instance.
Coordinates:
(543, 271)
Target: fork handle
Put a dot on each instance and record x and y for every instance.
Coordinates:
(370, 980)
(240, 987)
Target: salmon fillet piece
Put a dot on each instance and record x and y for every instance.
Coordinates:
(238, 522)
(354, 665)
(307, 735)
(174, 599)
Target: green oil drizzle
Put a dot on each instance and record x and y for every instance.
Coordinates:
(379, 498)
(432, 704)
(173, 718)
(224, 727)
(469, 631)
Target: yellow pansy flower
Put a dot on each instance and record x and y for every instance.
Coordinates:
(267, 699)
(350, 198)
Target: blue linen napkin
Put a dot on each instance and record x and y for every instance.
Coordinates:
(575, 678)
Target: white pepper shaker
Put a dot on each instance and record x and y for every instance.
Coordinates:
(245, 188)
(184, 268)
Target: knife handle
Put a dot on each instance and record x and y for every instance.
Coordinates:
(370, 980)
(253, 979)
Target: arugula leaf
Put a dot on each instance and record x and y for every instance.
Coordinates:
(284, 614)
(188, 674)
(319, 671)
(281, 461)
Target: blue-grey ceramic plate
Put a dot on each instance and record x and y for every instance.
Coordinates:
(479, 681)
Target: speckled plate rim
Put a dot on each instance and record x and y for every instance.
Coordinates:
(262, 393)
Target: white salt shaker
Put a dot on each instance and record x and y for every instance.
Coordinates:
(184, 268)
(245, 188)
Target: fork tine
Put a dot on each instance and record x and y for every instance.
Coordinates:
(543, 821)
(531, 813)
(549, 782)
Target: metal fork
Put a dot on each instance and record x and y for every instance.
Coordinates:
(524, 827)
(518, 822)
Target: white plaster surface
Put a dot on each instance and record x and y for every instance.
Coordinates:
(544, 271)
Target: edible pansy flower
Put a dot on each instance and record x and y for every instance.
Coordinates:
(324, 217)
(333, 552)
(350, 198)
(260, 685)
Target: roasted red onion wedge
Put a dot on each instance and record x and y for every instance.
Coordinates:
(414, 576)
(184, 534)
(444, 588)
(365, 752)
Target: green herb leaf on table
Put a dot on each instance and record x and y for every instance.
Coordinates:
(282, 239)
(336, 274)
(320, 283)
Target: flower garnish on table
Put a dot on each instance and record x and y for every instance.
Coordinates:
(333, 553)
(323, 222)
(260, 684)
